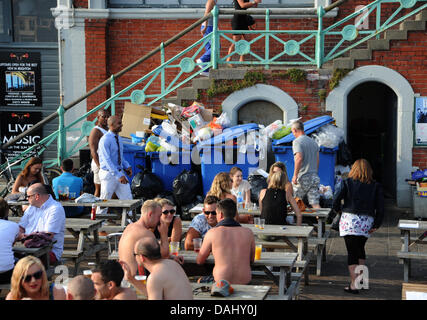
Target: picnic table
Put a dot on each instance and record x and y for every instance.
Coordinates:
(20, 251)
(406, 227)
(125, 205)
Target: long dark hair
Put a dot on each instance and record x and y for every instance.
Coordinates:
(26, 172)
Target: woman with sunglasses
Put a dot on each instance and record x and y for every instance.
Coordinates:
(168, 216)
(29, 282)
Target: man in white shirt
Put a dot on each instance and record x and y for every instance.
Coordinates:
(44, 215)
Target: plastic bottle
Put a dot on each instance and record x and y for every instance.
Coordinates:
(239, 200)
(93, 212)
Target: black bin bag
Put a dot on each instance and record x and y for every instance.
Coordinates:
(186, 186)
(257, 183)
(146, 185)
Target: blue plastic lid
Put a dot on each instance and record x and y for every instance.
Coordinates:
(229, 134)
(130, 147)
(309, 127)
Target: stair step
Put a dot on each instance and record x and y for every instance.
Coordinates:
(228, 74)
(201, 83)
(173, 99)
(344, 63)
(361, 54)
(422, 16)
(413, 25)
(379, 44)
(187, 93)
(396, 34)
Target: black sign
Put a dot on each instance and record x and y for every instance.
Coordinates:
(20, 79)
(14, 123)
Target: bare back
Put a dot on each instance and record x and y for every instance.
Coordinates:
(233, 249)
(168, 281)
(131, 235)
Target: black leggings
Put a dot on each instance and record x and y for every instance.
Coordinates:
(355, 248)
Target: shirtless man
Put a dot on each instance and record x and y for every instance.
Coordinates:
(107, 280)
(80, 288)
(150, 218)
(95, 135)
(232, 246)
(167, 279)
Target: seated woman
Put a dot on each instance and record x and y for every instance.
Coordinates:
(240, 185)
(273, 201)
(221, 187)
(30, 174)
(281, 167)
(169, 217)
(29, 282)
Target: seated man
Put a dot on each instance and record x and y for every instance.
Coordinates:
(149, 220)
(44, 215)
(167, 279)
(74, 184)
(80, 288)
(232, 246)
(202, 222)
(107, 280)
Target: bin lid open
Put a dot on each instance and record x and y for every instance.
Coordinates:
(309, 127)
(229, 134)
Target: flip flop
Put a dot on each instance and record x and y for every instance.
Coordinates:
(350, 290)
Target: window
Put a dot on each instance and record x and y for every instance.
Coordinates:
(27, 21)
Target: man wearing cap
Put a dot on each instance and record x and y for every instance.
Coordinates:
(232, 246)
(306, 157)
(167, 280)
(112, 164)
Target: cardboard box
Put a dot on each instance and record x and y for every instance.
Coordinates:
(135, 118)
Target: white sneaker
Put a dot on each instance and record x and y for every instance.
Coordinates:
(199, 62)
(204, 73)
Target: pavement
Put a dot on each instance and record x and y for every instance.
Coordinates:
(385, 271)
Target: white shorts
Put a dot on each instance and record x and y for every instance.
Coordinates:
(95, 171)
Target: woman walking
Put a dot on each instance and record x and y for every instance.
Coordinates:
(362, 214)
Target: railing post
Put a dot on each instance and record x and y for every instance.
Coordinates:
(378, 20)
(267, 39)
(215, 39)
(162, 60)
(320, 38)
(113, 92)
(62, 147)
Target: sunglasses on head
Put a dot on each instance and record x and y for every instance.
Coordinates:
(210, 212)
(171, 211)
(37, 275)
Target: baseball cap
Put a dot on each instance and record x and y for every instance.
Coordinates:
(221, 288)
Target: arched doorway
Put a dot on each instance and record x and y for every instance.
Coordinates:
(371, 130)
(259, 111)
(336, 102)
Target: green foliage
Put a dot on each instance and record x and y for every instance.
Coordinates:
(322, 94)
(296, 75)
(337, 76)
(250, 79)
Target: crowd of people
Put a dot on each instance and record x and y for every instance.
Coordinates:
(144, 249)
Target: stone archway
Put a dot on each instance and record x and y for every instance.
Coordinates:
(337, 103)
(281, 99)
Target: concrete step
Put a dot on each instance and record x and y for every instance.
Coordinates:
(228, 74)
(188, 93)
(361, 54)
(413, 25)
(344, 63)
(379, 44)
(422, 16)
(396, 35)
(201, 83)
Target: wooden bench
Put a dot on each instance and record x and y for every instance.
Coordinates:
(407, 257)
(75, 256)
(5, 286)
(291, 293)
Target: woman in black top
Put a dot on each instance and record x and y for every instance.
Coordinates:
(241, 21)
(273, 201)
(362, 214)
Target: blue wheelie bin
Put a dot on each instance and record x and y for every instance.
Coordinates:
(135, 155)
(220, 154)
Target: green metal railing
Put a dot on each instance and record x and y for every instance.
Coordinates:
(296, 47)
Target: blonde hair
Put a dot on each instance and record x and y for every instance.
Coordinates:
(362, 171)
(163, 202)
(278, 180)
(220, 185)
(149, 205)
(17, 292)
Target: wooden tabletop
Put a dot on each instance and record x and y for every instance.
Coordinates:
(73, 223)
(36, 252)
(412, 224)
(241, 292)
(199, 209)
(112, 203)
(312, 212)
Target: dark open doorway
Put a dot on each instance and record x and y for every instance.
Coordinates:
(372, 130)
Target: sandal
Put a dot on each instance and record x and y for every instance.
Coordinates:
(350, 290)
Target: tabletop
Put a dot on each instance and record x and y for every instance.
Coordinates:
(199, 208)
(202, 291)
(73, 223)
(112, 203)
(412, 224)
